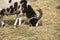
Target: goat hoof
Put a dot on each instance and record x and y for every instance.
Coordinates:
(3, 25)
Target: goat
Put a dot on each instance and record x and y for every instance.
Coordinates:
(30, 13)
(32, 17)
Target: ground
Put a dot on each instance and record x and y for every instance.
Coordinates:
(49, 24)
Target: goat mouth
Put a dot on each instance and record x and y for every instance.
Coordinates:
(33, 21)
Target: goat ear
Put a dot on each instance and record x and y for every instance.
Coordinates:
(39, 10)
(40, 13)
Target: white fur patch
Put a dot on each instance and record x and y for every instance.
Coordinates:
(36, 24)
(28, 3)
(16, 22)
(19, 21)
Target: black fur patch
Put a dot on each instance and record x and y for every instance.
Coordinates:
(23, 1)
(2, 11)
(24, 6)
(18, 6)
(15, 6)
(11, 9)
(30, 12)
(18, 12)
(10, 1)
(7, 9)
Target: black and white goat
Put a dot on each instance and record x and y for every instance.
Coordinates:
(30, 13)
(12, 7)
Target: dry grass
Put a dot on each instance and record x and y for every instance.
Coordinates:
(49, 30)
